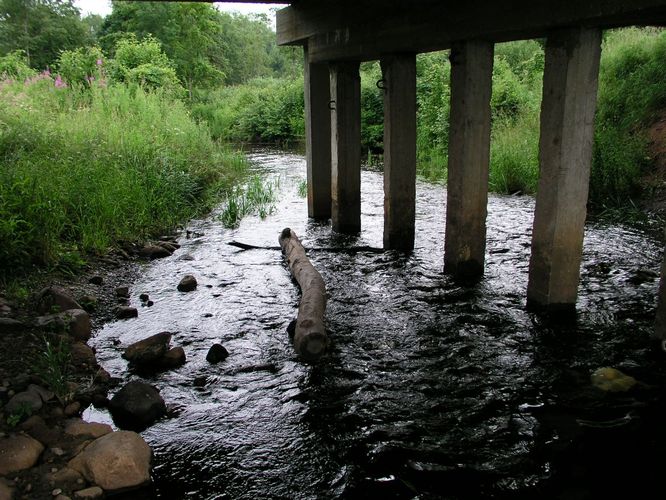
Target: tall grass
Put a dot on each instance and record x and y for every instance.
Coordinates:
(257, 196)
(85, 169)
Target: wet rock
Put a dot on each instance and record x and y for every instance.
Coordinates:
(77, 427)
(10, 325)
(612, 380)
(150, 303)
(74, 321)
(291, 328)
(119, 460)
(640, 276)
(149, 350)
(26, 402)
(154, 252)
(136, 406)
(126, 312)
(174, 358)
(92, 493)
(122, 291)
(18, 452)
(96, 280)
(187, 284)
(186, 256)
(200, 381)
(143, 297)
(53, 300)
(82, 356)
(217, 353)
(170, 246)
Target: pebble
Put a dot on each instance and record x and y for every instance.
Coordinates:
(57, 452)
(143, 297)
(56, 492)
(28, 488)
(54, 470)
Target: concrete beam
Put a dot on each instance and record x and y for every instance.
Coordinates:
(399, 73)
(660, 324)
(372, 28)
(469, 157)
(318, 138)
(346, 147)
(565, 154)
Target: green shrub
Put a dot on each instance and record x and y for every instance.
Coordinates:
(15, 66)
(81, 66)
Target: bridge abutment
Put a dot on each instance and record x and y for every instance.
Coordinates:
(565, 155)
(399, 83)
(317, 137)
(345, 139)
(469, 157)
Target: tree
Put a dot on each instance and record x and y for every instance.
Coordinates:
(41, 28)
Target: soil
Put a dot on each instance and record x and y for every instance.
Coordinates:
(653, 183)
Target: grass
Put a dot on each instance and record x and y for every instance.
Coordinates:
(84, 170)
(257, 196)
(52, 366)
(303, 188)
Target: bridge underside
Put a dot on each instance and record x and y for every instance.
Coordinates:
(338, 35)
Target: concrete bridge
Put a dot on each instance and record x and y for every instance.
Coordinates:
(337, 35)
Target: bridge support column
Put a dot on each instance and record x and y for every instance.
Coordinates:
(469, 156)
(317, 138)
(346, 147)
(399, 73)
(565, 154)
(660, 324)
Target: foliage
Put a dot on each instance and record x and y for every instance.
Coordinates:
(23, 411)
(81, 66)
(52, 365)
(84, 170)
(15, 66)
(41, 28)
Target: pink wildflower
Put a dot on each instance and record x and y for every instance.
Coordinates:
(59, 84)
(99, 62)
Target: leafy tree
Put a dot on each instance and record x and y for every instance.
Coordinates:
(41, 28)
(81, 65)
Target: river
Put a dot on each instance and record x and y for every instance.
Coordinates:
(431, 390)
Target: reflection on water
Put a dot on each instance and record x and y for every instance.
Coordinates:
(431, 390)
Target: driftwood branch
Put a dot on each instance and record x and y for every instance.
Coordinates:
(354, 249)
(310, 339)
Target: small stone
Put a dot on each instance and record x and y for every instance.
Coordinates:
(82, 356)
(56, 492)
(612, 380)
(88, 302)
(28, 488)
(72, 409)
(91, 493)
(154, 252)
(122, 291)
(54, 470)
(143, 297)
(126, 312)
(136, 406)
(57, 452)
(96, 280)
(199, 381)
(174, 358)
(217, 353)
(291, 328)
(187, 284)
(150, 303)
(45, 394)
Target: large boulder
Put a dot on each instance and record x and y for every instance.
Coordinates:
(136, 406)
(53, 300)
(18, 452)
(149, 350)
(116, 461)
(76, 322)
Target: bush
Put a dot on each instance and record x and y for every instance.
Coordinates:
(81, 66)
(15, 66)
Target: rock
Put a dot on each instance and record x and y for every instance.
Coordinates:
(6, 493)
(186, 256)
(53, 300)
(217, 353)
(10, 325)
(74, 321)
(91, 493)
(18, 453)
(96, 280)
(119, 460)
(612, 380)
(37, 428)
(149, 350)
(72, 409)
(168, 245)
(26, 402)
(187, 284)
(126, 312)
(200, 381)
(82, 356)
(173, 358)
(143, 297)
(291, 329)
(122, 291)
(154, 252)
(150, 303)
(88, 302)
(77, 427)
(65, 478)
(136, 406)
(45, 394)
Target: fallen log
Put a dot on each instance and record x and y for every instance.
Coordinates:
(310, 339)
(350, 250)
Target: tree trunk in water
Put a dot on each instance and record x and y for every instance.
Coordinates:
(310, 340)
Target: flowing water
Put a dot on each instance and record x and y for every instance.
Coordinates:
(431, 389)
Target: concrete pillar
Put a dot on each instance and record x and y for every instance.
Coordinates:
(318, 138)
(346, 147)
(469, 157)
(565, 154)
(399, 72)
